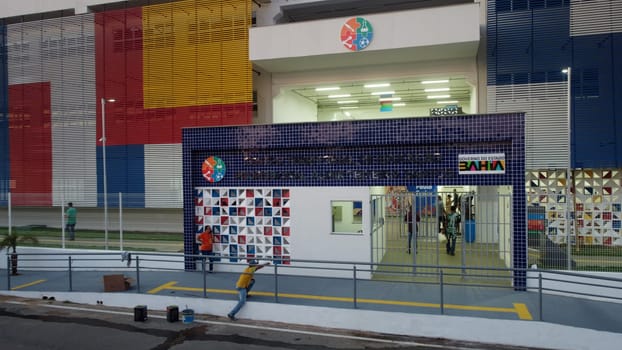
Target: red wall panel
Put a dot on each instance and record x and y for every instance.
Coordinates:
(119, 74)
(30, 143)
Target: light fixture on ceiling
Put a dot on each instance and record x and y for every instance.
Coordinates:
(383, 93)
(436, 89)
(371, 86)
(348, 114)
(348, 107)
(438, 96)
(328, 88)
(338, 96)
(347, 101)
(446, 102)
(434, 81)
(401, 104)
(390, 99)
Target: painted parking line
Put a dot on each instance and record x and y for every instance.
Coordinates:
(520, 309)
(27, 284)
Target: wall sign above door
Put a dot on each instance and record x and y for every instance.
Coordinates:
(356, 34)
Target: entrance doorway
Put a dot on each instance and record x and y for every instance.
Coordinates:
(483, 248)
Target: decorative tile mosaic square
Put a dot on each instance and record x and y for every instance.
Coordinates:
(246, 222)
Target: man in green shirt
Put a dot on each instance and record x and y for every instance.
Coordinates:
(71, 214)
(453, 220)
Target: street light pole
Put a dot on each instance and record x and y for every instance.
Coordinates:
(105, 177)
(569, 203)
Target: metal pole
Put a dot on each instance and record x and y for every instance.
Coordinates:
(120, 221)
(137, 275)
(105, 179)
(8, 272)
(70, 277)
(10, 215)
(203, 261)
(540, 295)
(62, 218)
(442, 294)
(276, 284)
(354, 278)
(569, 173)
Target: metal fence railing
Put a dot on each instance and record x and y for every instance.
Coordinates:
(326, 283)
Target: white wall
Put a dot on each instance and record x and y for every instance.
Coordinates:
(290, 108)
(312, 223)
(429, 27)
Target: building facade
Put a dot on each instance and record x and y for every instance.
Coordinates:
(174, 64)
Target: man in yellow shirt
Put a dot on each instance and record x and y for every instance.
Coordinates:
(244, 285)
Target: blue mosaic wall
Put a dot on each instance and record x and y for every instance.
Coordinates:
(396, 152)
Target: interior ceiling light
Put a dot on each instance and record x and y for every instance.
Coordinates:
(349, 107)
(446, 102)
(434, 81)
(401, 104)
(371, 86)
(439, 96)
(436, 89)
(383, 93)
(329, 88)
(348, 101)
(348, 114)
(338, 96)
(390, 99)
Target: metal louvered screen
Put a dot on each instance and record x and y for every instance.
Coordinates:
(60, 52)
(546, 108)
(589, 17)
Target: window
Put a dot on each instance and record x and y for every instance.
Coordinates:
(347, 217)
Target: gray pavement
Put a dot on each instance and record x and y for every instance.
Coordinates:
(421, 299)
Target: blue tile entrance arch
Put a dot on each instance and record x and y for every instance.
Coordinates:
(389, 152)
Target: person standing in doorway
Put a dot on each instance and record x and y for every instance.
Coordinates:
(440, 211)
(412, 227)
(244, 285)
(70, 223)
(206, 239)
(453, 219)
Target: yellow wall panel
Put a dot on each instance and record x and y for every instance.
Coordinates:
(202, 53)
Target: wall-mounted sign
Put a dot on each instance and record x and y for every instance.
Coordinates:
(213, 169)
(481, 163)
(447, 110)
(356, 34)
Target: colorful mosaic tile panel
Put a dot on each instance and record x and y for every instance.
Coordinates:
(247, 223)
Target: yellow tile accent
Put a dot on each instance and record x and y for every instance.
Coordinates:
(195, 52)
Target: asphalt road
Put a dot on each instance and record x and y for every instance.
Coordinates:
(28, 324)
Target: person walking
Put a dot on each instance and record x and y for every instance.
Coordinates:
(244, 285)
(70, 223)
(206, 239)
(453, 219)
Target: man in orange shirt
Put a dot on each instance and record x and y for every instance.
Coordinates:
(206, 239)
(244, 285)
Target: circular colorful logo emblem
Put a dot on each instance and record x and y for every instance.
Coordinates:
(356, 33)
(213, 169)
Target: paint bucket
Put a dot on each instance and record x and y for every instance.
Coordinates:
(187, 316)
(172, 313)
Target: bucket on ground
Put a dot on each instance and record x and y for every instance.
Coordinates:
(187, 316)
(469, 231)
(172, 313)
(140, 313)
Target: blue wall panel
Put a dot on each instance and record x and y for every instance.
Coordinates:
(552, 47)
(125, 173)
(529, 42)
(594, 121)
(4, 119)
